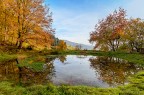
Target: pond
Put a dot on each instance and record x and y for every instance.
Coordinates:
(96, 71)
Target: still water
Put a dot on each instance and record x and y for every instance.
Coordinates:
(71, 70)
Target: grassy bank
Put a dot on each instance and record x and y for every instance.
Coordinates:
(134, 58)
(7, 57)
(131, 57)
(136, 87)
(37, 59)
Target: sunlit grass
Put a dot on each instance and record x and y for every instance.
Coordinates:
(34, 63)
(136, 87)
(131, 57)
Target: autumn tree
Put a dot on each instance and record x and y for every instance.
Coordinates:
(62, 45)
(134, 34)
(108, 31)
(25, 21)
(32, 19)
(6, 20)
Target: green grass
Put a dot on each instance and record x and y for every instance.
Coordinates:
(131, 57)
(135, 87)
(134, 58)
(7, 88)
(7, 57)
(34, 63)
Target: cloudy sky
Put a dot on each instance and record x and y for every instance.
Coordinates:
(75, 19)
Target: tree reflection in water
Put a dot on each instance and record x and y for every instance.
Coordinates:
(81, 56)
(24, 75)
(112, 70)
(62, 58)
(68, 69)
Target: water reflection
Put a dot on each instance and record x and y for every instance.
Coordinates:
(112, 70)
(70, 69)
(62, 58)
(81, 56)
(25, 75)
(8, 70)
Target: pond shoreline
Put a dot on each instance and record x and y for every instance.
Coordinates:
(135, 87)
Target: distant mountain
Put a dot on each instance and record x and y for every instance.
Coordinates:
(83, 46)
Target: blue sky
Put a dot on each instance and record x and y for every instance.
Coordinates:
(75, 19)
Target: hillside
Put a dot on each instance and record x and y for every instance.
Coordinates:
(73, 44)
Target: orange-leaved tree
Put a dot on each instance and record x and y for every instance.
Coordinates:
(134, 34)
(62, 45)
(25, 21)
(108, 31)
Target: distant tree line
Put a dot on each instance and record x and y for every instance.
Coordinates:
(59, 44)
(116, 32)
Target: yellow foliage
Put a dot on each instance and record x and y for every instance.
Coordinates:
(25, 21)
(62, 45)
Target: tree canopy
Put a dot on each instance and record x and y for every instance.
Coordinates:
(25, 22)
(116, 32)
